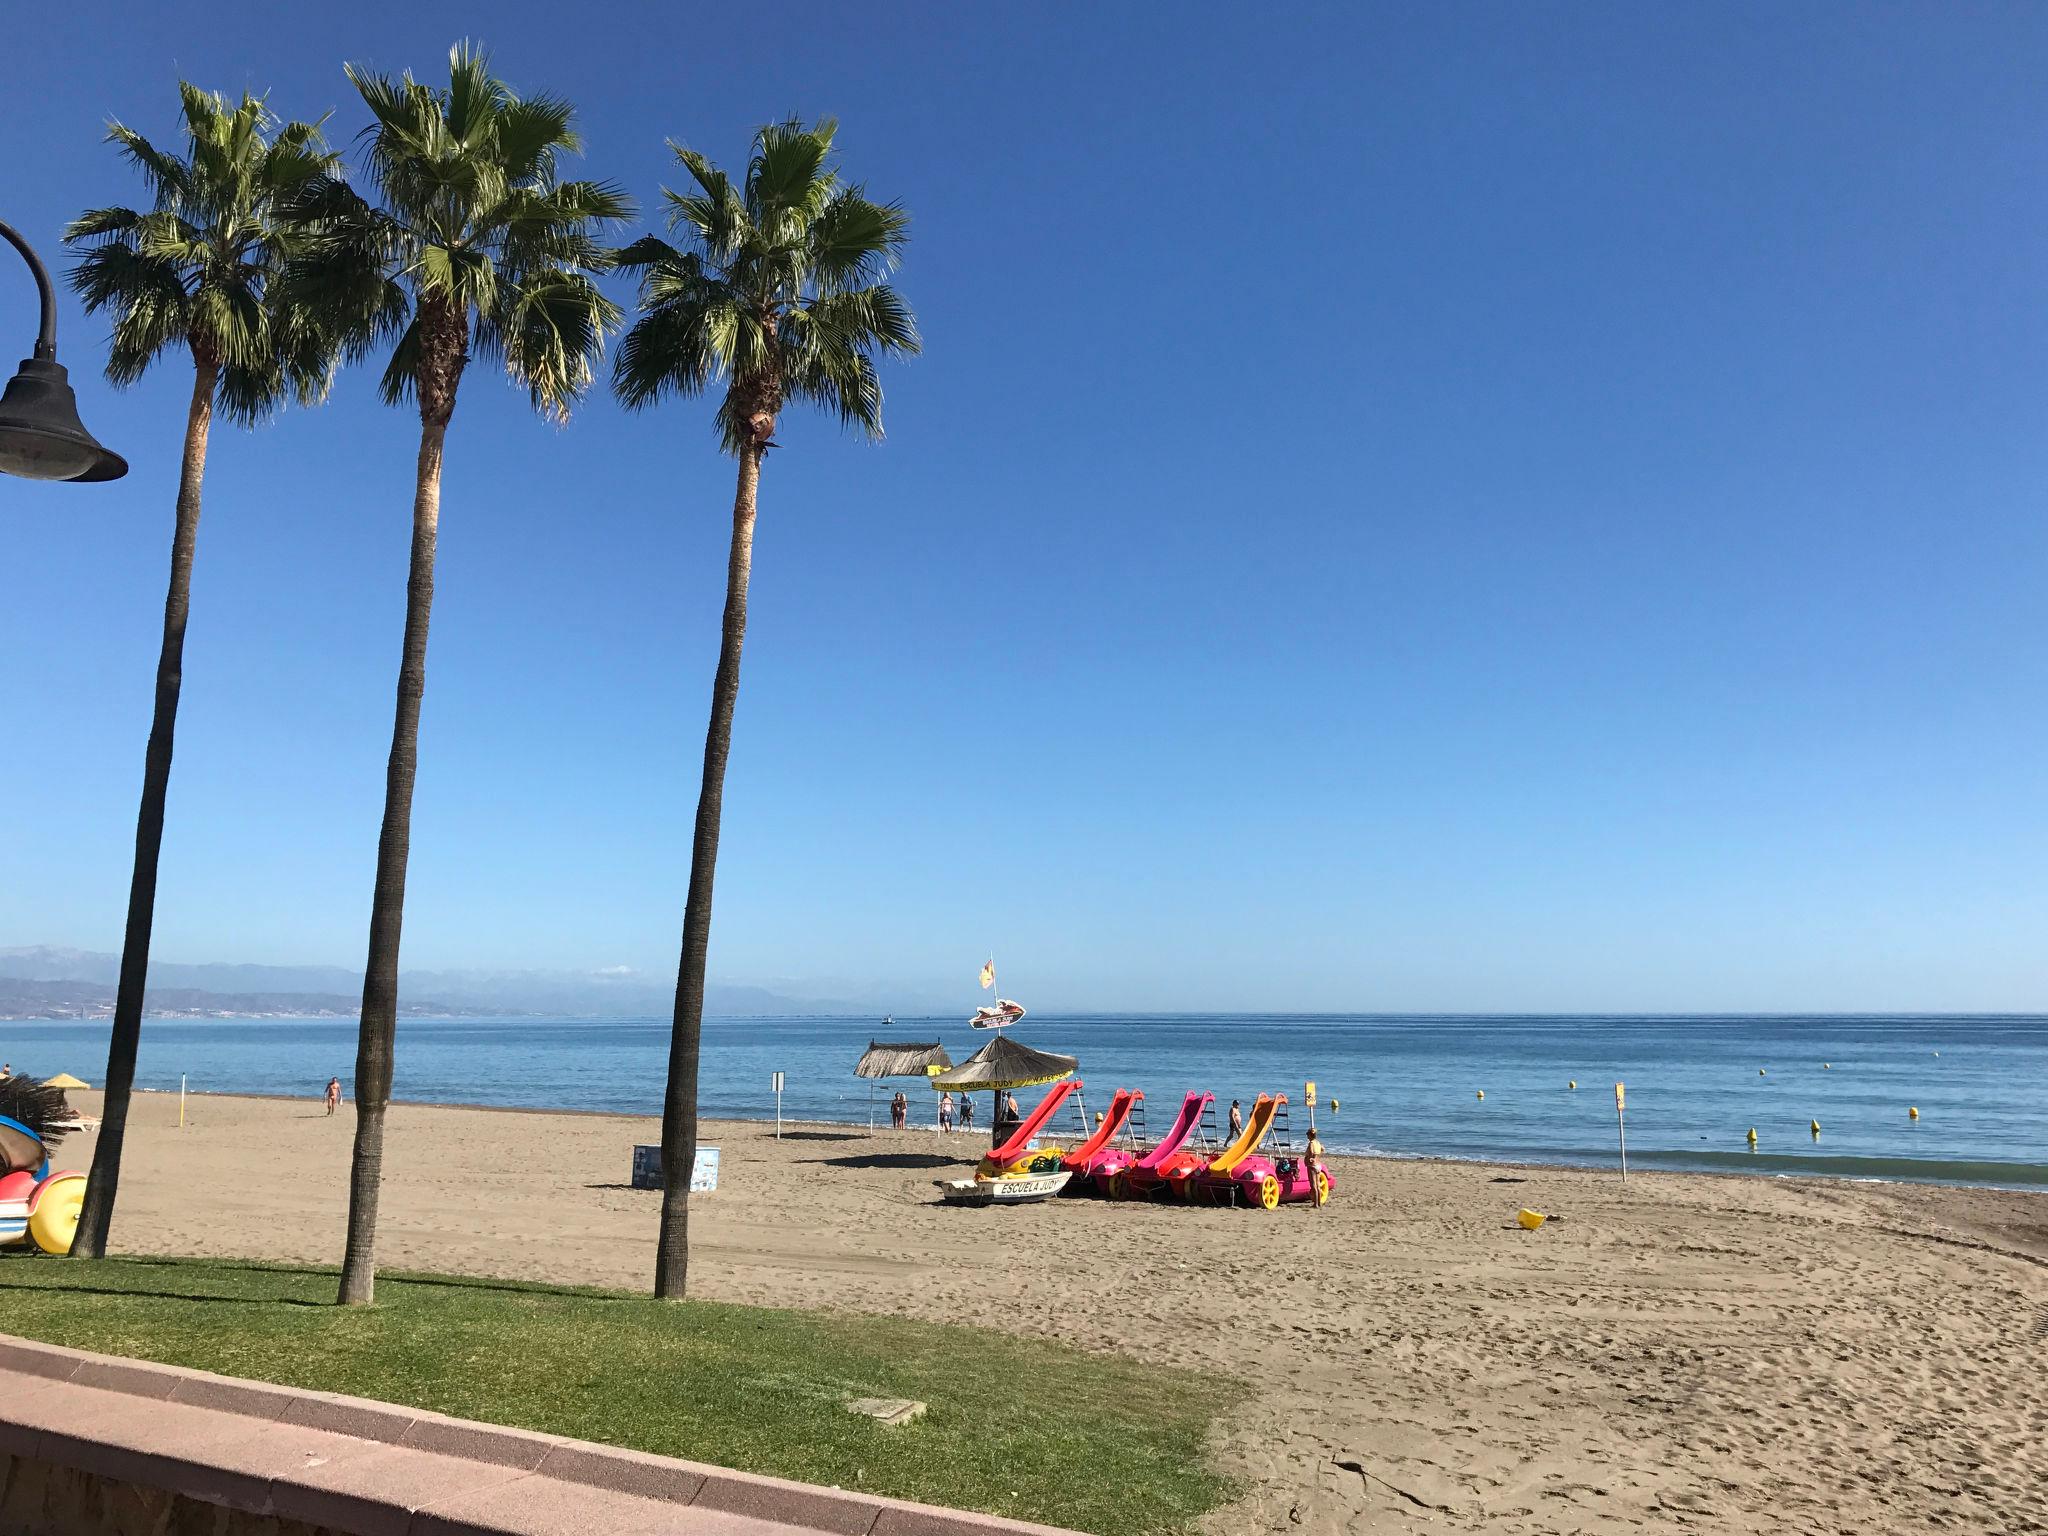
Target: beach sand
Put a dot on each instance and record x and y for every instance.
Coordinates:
(1681, 1352)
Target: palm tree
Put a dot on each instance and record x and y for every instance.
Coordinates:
(779, 296)
(477, 246)
(197, 272)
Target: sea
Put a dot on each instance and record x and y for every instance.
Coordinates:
(1494, 1088)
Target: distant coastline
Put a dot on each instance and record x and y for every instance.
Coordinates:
(93, 1002)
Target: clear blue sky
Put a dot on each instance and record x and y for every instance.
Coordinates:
(1478, 507)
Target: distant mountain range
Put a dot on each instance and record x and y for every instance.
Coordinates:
(44, 981)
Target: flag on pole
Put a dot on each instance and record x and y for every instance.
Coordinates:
(988, 975)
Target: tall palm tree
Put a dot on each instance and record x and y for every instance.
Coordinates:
(198, 272)
(476, 246)
(778, 295)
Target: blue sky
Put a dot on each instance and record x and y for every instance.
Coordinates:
(1482, 507)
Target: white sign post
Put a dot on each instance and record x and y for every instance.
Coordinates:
(775, 1082)
(1621, 1127)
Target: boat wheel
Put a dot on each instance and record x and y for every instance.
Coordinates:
(1269, 1192)
(1322, 1187)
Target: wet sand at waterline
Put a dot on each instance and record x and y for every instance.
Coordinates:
(1682, 1352)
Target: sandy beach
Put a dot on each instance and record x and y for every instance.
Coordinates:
(1682, 1352)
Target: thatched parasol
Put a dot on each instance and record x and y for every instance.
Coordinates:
(1003, 1064)
(33, 1117)
(911, 1058)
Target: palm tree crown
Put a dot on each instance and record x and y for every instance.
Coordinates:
(201, 268)
(479, 246)
(779, 291)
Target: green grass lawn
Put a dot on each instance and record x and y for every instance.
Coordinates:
(1016, 1426)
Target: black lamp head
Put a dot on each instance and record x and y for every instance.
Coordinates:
(41, 437)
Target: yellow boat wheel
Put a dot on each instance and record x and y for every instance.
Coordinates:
(54, 1221)
(1322, 1187)
(1269, 1192)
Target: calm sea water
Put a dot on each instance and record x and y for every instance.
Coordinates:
(1406, 1085)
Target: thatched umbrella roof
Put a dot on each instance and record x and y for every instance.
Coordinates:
(38, 1115)
(1003, 1063)
(907, 1059)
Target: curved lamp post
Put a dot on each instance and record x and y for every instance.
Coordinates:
(41, 437)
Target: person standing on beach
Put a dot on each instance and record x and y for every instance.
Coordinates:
(1236, 1119)
(899, 1110)
(333, 1094)
(945, 1113)
(966, 1110)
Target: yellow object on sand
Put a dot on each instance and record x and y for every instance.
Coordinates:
(1531, 1219)
(64, 1080)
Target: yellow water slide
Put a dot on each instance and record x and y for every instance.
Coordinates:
(1264, 1107)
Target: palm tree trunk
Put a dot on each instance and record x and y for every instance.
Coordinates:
(103, 1183)
(379, 1026)
(679, 1113)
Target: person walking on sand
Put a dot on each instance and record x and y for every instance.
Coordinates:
(966, 1111)
(333, 1094)
(1236, 1119)
(945, 1113)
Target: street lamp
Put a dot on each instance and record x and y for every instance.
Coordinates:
(41, 437)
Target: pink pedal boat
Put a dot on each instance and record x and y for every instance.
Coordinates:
(1166, 1166)
(1243, 1175)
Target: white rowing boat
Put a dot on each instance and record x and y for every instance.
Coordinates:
(1036, 1186)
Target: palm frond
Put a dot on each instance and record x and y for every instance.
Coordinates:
(554, 330)
(532, 132)
(96, 223)
(402, 372)
(854, 242)
(169, 178)
(788, 184)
